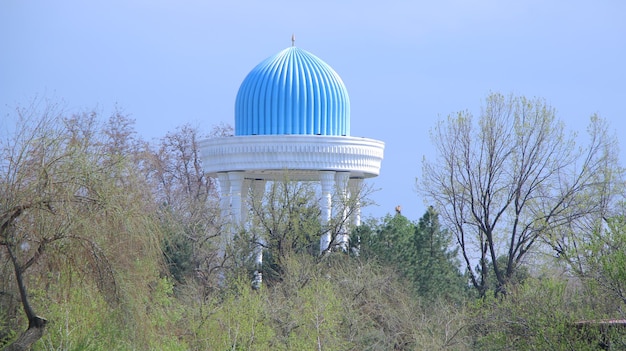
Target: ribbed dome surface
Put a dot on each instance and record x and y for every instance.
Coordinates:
(292, 92)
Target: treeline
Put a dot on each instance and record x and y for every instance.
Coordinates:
(112, 242)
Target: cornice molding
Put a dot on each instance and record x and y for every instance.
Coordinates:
(264, 156)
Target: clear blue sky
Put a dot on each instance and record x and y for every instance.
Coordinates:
(405, 63)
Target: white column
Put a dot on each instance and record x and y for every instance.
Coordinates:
(355, 198)
(327, 178)
(236, 184)
(341, 181)
(224, 195)
(245, 206)
(258, 190)
(355, 186)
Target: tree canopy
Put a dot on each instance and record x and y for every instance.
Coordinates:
(514, 179)
(421, 253)
(110, 242)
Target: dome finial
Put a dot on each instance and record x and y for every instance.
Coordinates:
(293, 39)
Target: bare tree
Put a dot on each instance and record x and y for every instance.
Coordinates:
(511, 180)
(188, 202)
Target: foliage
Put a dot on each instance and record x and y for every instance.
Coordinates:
(606, 258)
(420, 252)
(381, 313)
(49, 176)
(338, 303)
(284, 221)
(116, 242)
(514, 179)
(539, 314)
(188, 211)
(518, 277)
(599, 259)
(78, 226)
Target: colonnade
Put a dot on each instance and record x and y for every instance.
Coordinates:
(235, 187)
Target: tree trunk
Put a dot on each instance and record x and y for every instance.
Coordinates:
(36, 324)
(29, 336)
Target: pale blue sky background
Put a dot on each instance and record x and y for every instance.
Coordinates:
(405, 63)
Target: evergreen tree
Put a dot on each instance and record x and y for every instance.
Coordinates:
(420, 252)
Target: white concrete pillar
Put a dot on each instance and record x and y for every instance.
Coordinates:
(327, 178)
(355, 186)
(236, 185)
(222, 177)
(245, 205)
(355, 199)
(258, 190)
(341, 181)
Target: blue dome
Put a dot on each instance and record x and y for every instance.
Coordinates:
(292, 92)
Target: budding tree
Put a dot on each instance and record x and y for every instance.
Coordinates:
(62, 180)
(506, 182)
(187, 197)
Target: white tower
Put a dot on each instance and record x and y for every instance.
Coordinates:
(292, 114)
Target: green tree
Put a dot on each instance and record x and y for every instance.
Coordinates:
(284, 221)
(79, 236)
(419, 251)
(514, 179)
(49, 176)
(283, 218)
(598, 257)
(540, 314)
